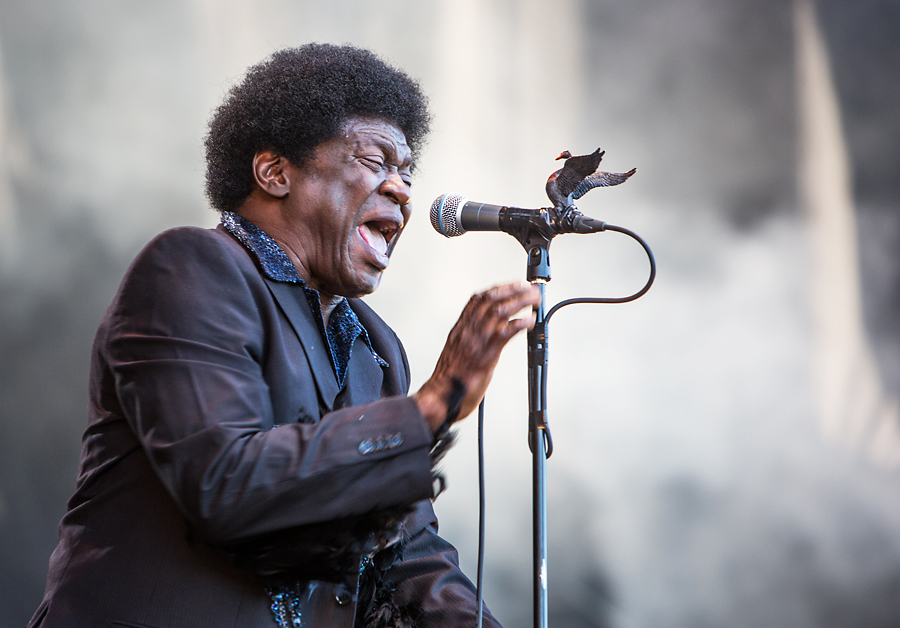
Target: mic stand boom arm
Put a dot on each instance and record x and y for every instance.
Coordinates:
(534, 230)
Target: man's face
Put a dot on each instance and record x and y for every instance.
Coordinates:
(347, 202)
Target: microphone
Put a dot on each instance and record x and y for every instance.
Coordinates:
(453, 215)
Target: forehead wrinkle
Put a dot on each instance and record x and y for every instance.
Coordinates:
(393, 152)
(384, 136)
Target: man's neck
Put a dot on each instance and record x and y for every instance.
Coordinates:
(328, 303)
(262, 211)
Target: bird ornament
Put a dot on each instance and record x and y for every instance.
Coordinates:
(578, 176)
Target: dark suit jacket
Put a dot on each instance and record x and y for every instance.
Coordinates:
(215, 417)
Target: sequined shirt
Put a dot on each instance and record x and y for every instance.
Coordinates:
(343, 325)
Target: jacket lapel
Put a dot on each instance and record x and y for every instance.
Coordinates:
(365, 378)
(386, 344)
(292, 299)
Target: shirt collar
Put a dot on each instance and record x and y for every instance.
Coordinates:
(274, 261)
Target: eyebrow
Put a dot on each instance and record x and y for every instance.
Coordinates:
(390, 148)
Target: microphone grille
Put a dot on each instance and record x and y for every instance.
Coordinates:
(445, 214)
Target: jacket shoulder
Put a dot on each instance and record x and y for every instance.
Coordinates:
(190, 255)
(183, 241)
(187, 279)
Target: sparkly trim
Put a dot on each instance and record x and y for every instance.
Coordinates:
(343, 329)
(274, 261)
(286, 604)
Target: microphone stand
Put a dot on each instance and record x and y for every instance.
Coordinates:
(541, 445)
(535, 233)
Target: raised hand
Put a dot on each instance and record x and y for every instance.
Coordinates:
(466, 365)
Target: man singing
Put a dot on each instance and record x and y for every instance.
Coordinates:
(252, 457)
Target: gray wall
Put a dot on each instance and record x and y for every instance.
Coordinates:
(692, 484)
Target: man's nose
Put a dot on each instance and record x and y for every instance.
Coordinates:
(396, 188)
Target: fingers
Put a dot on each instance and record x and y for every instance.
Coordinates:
(516, 325)
(494, 308)
(523, 291)
(507, 299)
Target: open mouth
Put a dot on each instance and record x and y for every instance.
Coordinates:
(378, 235)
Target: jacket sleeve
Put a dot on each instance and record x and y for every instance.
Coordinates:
(429, 576)
(185, 340)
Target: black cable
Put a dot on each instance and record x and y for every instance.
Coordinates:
(631, 297)
(548, 439)
(479, 588)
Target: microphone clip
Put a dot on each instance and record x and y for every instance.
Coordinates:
(534, 229)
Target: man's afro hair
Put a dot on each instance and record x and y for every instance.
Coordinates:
(297, 99)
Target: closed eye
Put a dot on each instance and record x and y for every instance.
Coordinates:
(374, 164)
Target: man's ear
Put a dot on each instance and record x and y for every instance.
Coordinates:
(271, 173)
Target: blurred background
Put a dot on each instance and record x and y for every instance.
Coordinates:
(727, 447)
